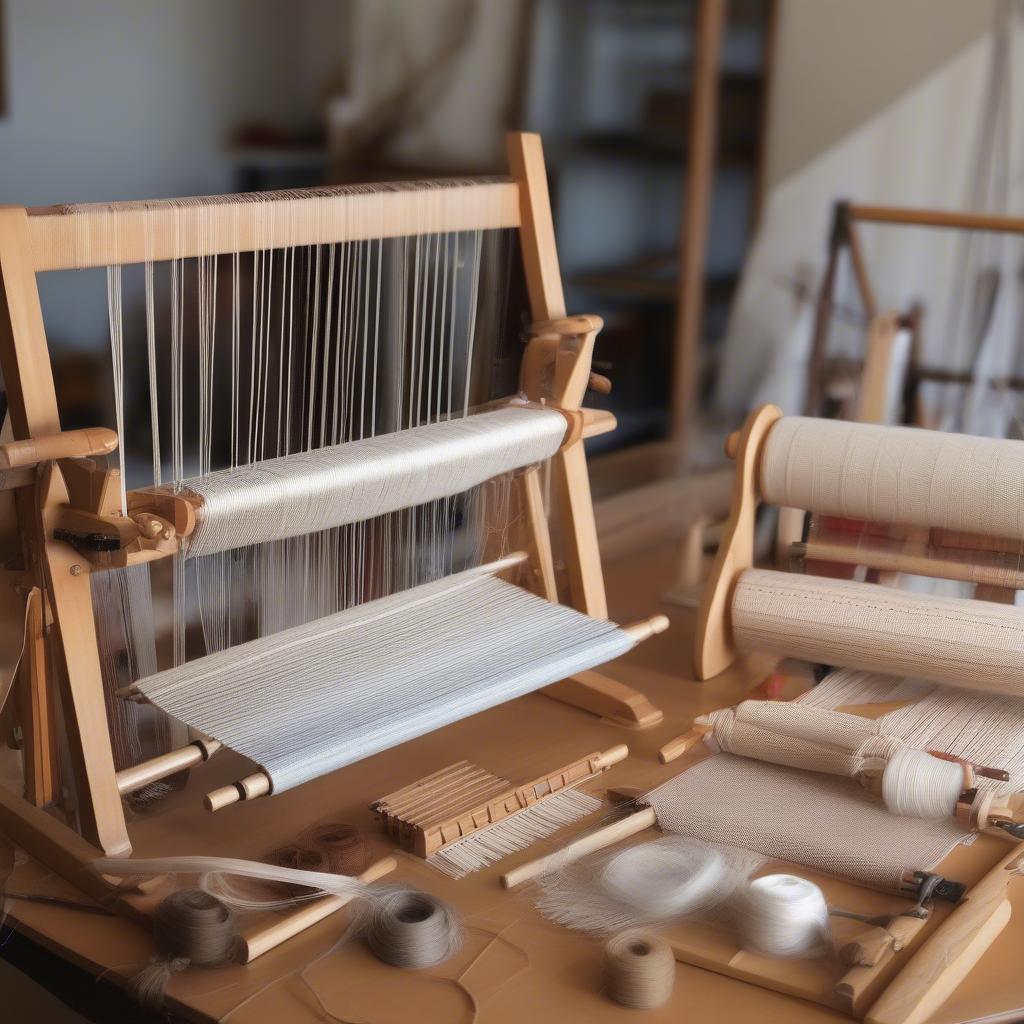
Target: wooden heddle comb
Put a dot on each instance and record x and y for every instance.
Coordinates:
(463, 818)
(74, 522)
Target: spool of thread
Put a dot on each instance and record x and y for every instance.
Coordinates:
(639, 969)
(666, 881)
(917, 785)
(407, 928)
(784, 916)
(190, 927)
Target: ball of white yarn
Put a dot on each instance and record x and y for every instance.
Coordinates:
(917, 785)
(665, 881)
(783, 915)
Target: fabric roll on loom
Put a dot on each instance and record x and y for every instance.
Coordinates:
(348, 483)
(910, 782)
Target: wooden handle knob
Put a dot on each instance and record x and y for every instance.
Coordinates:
(681, 745)
(613, 755)
(732, 444)
(646, 628)
(218, 799)
(69, 444)
(600, 383)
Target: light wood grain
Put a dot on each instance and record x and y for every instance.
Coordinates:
(99, 235)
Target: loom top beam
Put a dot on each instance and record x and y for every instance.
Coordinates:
(106, 234)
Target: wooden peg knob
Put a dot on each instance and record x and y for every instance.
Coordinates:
(732, 444)
(600, 383)
(613, 755)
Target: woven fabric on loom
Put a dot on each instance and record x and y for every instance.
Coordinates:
(965, 643)
(348, 483)
(896, 475)
(832, 823)
(310, 699)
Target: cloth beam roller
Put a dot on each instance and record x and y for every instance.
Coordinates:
(895, 475)
(977, 645)
(311, 699)
(349, 483)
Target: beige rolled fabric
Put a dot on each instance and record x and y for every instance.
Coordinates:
(977, 645)
(896, 475)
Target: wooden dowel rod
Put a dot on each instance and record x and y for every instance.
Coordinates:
(252, 786)
(949, 955)
(71, 444)
(681, 745)
(590, 843)
(258, 941)
(936, 218)
(174, 761)
(611, 756)
(646, 628)
(917, 561)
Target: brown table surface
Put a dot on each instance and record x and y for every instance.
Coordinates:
(532, 970)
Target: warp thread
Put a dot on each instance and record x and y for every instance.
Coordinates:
(411, 929)
(639, 969)
(784, 916)
(190, 927)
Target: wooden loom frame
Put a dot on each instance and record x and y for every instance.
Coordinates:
(844, 235)
(51, 483)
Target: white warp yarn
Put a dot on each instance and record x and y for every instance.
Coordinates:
(896, 475)
(349, 483)
(313, 698)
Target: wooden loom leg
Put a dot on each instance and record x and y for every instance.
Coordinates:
(607, 697)
(32, 403)
(588, 690)
(38, 728)
(65, 853)
(77, 663)
(538, 537)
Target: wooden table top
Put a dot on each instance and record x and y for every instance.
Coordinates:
(515, 966)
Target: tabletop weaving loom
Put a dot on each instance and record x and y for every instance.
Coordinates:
(345, 463)
(914, 745)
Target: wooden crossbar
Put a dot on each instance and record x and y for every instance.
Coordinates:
(108, 234)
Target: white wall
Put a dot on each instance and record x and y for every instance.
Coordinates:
(123, 99)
